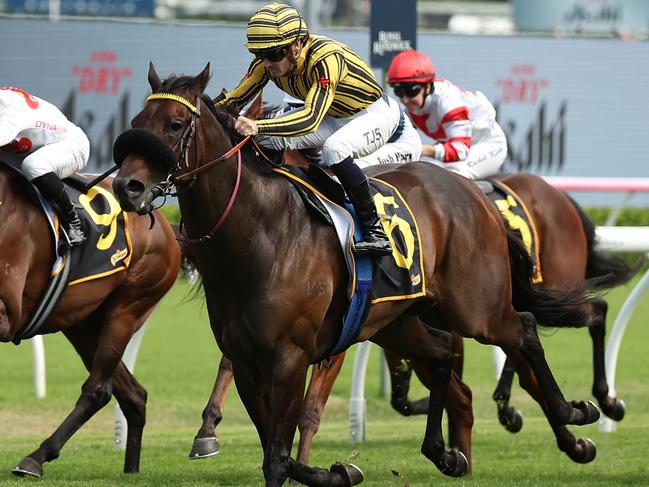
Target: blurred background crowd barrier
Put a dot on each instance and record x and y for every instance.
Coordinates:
(567, 78)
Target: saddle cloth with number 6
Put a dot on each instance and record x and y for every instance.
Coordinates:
(396, 276)
(400, 275)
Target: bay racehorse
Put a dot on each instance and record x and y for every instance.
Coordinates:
(258, 247)
(98, 316)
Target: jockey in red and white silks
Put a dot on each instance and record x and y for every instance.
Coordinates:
(37, 134)
(466, 137)
(36, 137)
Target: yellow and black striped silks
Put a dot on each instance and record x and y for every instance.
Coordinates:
(330, 78)
(274, 25)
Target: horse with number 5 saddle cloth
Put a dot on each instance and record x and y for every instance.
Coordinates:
(98, 295)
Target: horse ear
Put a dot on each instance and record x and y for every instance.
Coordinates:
(255, 109)
(203, 78)
(154, 79)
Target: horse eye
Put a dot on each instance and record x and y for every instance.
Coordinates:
(176, 126)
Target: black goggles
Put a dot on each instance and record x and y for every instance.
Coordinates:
(273, 55)
(407, 90)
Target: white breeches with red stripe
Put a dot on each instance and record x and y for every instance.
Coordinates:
(485, 156)
(62, 158)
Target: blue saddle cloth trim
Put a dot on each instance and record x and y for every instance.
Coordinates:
(358, 305)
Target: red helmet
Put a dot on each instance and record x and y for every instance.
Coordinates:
(411, 67)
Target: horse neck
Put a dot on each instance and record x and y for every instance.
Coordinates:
(205, 203)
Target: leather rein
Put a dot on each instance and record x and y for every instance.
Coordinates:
(184, 143)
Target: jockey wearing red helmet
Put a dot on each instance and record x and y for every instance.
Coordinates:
(467, 138)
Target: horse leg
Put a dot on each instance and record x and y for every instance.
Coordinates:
(322, 381)
(611, 406)
(580, 450)
(400, 373)
(95, 394)
(273, 403)
(277, 395)
(206, 443)
(431, 352)
(529, 345)
(459, 410)
(510, 417)
(131, 397)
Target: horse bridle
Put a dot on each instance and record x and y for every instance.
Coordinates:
(184, 143)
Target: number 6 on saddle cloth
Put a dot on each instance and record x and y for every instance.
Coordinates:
(386, 278)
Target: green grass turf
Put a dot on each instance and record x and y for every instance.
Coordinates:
(177, 364)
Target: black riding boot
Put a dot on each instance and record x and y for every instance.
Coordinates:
(358, 188)
(52, 189)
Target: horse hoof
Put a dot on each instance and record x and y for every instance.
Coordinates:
(585, 451)
(514, 422)
(351, 474)
(613, 408)
(591, 413)
(28, 467)
(457, 466)
(204, 448)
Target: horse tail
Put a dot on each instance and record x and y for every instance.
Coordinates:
(604, 269)
(550, 307)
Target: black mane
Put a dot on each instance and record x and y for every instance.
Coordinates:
(226, 115)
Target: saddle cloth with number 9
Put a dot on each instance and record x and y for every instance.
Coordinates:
(107, 248)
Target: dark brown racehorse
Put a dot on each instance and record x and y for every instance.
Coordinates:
(568, 256)
(98, 317)
(258, 248)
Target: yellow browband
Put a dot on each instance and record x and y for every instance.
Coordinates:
(169, 96)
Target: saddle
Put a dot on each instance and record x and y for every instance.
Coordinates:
(107, 249)
(386, 278)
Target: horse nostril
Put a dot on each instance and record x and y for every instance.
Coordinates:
(134, 188)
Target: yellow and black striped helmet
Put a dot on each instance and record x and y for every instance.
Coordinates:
(275, 25)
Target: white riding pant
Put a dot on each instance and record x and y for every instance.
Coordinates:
(485, 157)
(62, 158)
(363, 137)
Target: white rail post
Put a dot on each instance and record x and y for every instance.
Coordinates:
(615, 341)
(38, 354)
(499, 358)
(357, 402)
(129, 357)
